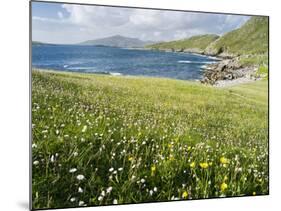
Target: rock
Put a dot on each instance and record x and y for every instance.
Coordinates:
(227, 69)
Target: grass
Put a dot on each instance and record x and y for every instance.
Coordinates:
(101, 140)
(251, 38)
(199, 42)
(257, 60)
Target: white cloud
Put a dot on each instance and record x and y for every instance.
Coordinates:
(96, 22)
(60, 15)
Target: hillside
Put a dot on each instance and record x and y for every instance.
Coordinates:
(251, 38)
(38, 43)
(162, 132)
(196, 44)
(117, 41)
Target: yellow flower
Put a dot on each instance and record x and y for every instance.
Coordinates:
(185, 194)
(254, 193)
(153, 169)
(171, 157)
(224, 160)
(210, 163)
(130, 158)
(192, 165)
(223, 186)
(204, 165)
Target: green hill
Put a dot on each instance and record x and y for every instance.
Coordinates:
(251, 38)
(196, 44)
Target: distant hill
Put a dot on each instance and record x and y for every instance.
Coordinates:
(117, 41)
(251, 38)
(37, 43)
(195, 44)
(42, 43)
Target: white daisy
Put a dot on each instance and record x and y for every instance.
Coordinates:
(109, 189)
(80, 177)
(73, 199)
(36, 162)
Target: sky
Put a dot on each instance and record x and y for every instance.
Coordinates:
(69, 23)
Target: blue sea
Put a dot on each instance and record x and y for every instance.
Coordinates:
(119, 61)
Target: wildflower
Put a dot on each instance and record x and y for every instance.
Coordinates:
(115, 201)
(223, 186)
(192, 165)
(73, 199)
(155, 189)
(142, 180)
(81, 203)
(254, 193)
(151, 192)
(75, 154)
(80, 190)
(103, 193)
(100, 198)
(52, 159)
(185, 194)
(171, 158)
(36, 162)
(111, 169)
(224, 160)
(204, 165)
(34, 146)
(130, 158)
(80, 177)
(153, 169)
(109, 189)
(84, 129)
(120, 169)
(72, 170)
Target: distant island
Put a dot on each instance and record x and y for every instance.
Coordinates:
(117, 41)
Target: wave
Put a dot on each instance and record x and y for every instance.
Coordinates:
(115, 73)
(92, 70)
(195, 62)
(80, 68)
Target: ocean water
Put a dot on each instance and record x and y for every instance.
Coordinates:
(119, 61)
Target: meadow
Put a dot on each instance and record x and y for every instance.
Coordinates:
(100, 139)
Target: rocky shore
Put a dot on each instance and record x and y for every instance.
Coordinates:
(228, 71)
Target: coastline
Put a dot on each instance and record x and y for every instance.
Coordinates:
(226, 71)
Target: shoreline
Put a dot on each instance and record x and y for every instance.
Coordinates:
(219, 83)
(231, 73)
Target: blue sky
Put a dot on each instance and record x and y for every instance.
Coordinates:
(69, 23)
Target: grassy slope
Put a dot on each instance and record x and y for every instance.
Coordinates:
(152, 128)
(196, 42)
(251, 38)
